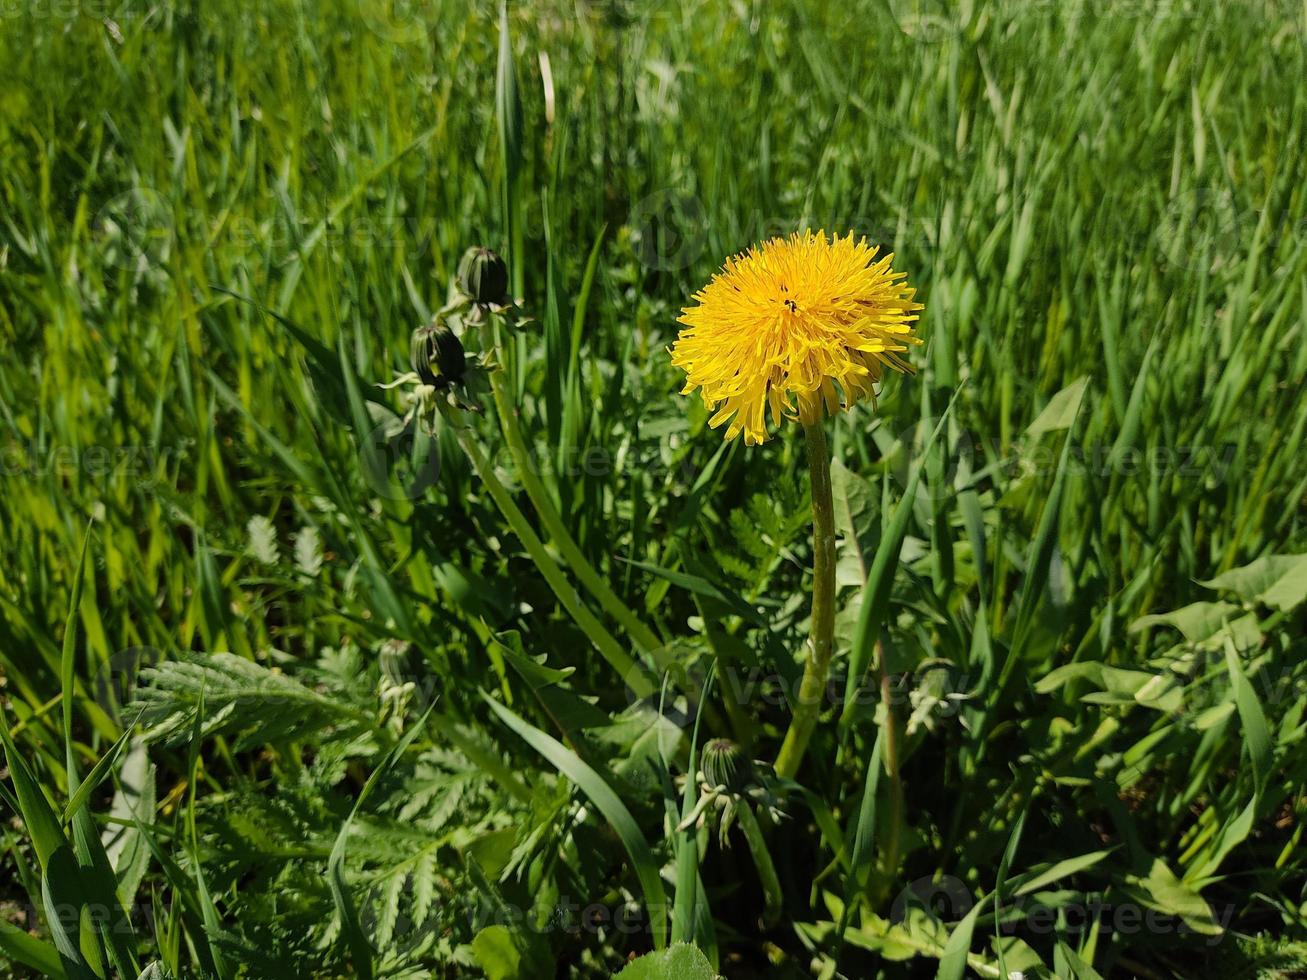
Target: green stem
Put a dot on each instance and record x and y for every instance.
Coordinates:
(771, 885)
(813, 686)
(632, 673)
(562, 539)
(890, 859)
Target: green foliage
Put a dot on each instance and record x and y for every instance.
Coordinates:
(312, 706)
(680, 961)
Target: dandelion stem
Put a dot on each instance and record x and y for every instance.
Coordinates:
(771, 885)
(604, 642)
(562, 539)
(821, 646)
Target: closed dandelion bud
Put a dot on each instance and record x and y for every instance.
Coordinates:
(437, 355)
(725, 764)
(483, 276)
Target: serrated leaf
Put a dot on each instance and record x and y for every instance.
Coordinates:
(308, 551)
(680, 961)
(262, 540)
(259, 704)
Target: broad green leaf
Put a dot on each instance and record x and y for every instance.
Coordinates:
(510, 955)
(1163, 891)
(855, 515)
(22, 948)
(1278, 581)
(1067, 963)
(63, 893)
(1060, 412)
(680, 961)
(1201, 622)
(124, 847)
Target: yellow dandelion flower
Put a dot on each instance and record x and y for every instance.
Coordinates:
(796, 325)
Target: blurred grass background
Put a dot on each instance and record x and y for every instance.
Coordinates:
(1110, 191)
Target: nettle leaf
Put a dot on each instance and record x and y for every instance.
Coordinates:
(1278, 581)
(240, 697)
(680, 961)
(263, 540)
(308, 551)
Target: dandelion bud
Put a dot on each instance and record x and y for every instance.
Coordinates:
(437, 356)
(483, 276)
(725, 764)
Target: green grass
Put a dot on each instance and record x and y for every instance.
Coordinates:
(1102, 206)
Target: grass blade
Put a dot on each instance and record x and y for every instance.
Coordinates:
(608, 803)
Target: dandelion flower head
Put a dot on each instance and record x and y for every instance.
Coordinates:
(801, 326)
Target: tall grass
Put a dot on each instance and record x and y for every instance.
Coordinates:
(1103, 208)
